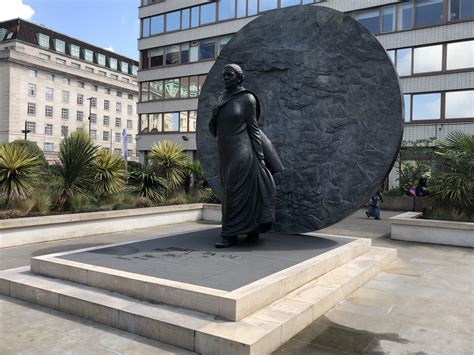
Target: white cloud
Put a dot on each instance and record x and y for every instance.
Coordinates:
(109, 49)
(16, 8)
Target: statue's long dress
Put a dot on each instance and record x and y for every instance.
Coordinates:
(249, 189)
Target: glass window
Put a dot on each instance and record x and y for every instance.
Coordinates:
(80, 99)
(113, 63)
(207, 50)
(76, 65)
(64, 113)
(105, 135)
(388, 18)
(31, 126)
(144, 91)
(48, 147)
(93, 118)
(226, 9)
(64, 131)
(146, 27)
(208, 13)
(118, 107)
(194, 53)
(183, 121)
(184, 87)
(43, 40)
(88, 55)
(252, 7)
(404, 61)
(426, 106)
(124, 67)
(156, 57)
(156, 90)
(32, 73)
(93, 134)
(460, 104)
(48, 129)
(48, 111)
(193, 86)
(195, 16)
(427, 59)
(461, 9)
(286, 3)
(184, 53)
(171, 122)
(60, 46)
(106, 120)
(192, 121)
(156, 25)
(134, 70)
(66, 81)
(241, 8)
(93, 101)
(49, 76)
(129, 124)
(118, 137)
(79, 116)
(143, 123)
(31, 109)
(129, 110)
(118, 122)
(172, 55)
(202, 79)
(428, 12)
(117, 151)
(407, 102)
(460, 55)
(185, 17)
(223, 41)
(391, 54)
(49, 93)
(266, 5)
(173, 21)
(369, 19)
(31, 90)
(81, 84)
(75, 51)
(171, 88)
(101, 59)
(405, 16)
(156, 122)
(65, 97)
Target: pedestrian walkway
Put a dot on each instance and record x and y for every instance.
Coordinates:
(423, 302)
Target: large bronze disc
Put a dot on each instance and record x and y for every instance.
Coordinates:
(331, 104)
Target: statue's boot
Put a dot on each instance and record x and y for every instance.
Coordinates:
(226, 242)
(252, 236)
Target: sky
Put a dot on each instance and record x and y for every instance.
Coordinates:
(110, 24)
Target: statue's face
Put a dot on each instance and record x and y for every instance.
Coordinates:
(230, 79)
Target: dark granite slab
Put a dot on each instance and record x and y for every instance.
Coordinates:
(192, 258)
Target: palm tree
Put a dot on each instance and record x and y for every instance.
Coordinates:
(455, 186)
(19, 171)
(145, 182)
(170, 162)
(76, 167)
(110, 174)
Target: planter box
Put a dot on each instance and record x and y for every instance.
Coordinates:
(409, 227)
(20, 231)
(405, 203)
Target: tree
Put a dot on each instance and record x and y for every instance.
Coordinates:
(110, 174)
(144, 181)
(76, 167)
(33, 150)
(19, 171)
(454, 187)
(170, 162)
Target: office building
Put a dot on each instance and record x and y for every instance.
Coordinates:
(52, 84)
(431, 43)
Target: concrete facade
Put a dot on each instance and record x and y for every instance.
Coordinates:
(25, 65)
(438, 82)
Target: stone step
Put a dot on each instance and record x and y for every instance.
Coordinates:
(231, 305)
(262, 332)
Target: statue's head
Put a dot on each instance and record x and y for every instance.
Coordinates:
(232, 75)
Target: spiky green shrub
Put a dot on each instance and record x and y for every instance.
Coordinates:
(76, 167)
(42, 202)
(144, 181)
(25, 206)
(110, 174)
(170, 161)
(19, 171)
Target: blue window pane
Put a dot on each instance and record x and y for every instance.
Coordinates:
(406, 99)
(226, 9)
(307, 2)
(171, 122)
(185, 19)
(369, 19)
(146, 27)
(157, 24)
(404, 61)
(461, 9)
(286, 3)
(428, 12)
(208, 13)
(195, 16)
(266, 5)
(241, 8)
(252, 7)
(388, 19)
(426, 106)
(405, 16)
(173, 21)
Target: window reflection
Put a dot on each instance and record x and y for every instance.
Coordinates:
(426, 106)
(156, 90)
(226, 9)
(388, 18)
(266, 5)
(183, 121)
(156, 57)
(369, 19)
(171, 122)
(184, 53)
(172, 55)
(207, 50)
(461, 9)
(407, 102)
(404, 61)
(185, 17)
(428, 12)
(460, 55)
(157, 25)
(145, 91)
(173, 21)
(193, 86)
(192, 121)
(208, 13)
(155, 122)
(146, 27)
(171, 88)
(286, 3)
(252, 7)
(195, 16)
(460, 104)
(241, 8)
(427, 59)
(405, 16)
(184, 87)
(144, 123)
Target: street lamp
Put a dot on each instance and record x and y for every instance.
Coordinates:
(26, 131)
(89, 118)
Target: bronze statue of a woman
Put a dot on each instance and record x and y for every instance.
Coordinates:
(248, 205)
